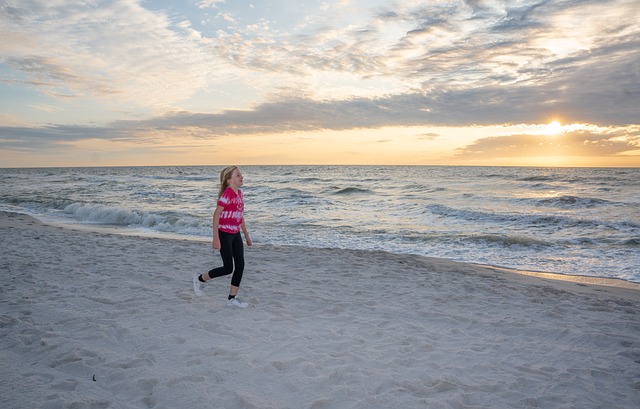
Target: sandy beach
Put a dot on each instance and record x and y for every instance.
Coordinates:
(103, 320)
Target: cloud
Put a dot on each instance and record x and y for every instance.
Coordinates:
(113, 50)
(608, 142)
(411, 63)
(45, 108)
(567, 101)
(39, 138)
(119, 51)
(543, 52)
(210, 4)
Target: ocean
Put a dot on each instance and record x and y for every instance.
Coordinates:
(578, 221)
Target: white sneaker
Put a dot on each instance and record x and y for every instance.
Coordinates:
(198, 285)
(237, 303)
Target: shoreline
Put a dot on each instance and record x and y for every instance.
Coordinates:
(574, 278)
(92, 319)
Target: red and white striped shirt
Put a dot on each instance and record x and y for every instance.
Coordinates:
(233, 212)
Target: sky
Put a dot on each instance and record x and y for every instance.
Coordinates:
(211, 82)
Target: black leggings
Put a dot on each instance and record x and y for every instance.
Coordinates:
(232, 253)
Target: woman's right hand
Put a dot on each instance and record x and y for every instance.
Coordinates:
(216, 243)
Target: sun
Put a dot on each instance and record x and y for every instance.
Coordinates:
(553, 128)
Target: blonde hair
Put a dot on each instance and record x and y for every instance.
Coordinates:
(225, 175)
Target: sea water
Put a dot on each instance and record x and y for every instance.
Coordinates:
(583, 221)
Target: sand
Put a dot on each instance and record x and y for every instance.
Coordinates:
(102, 320)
